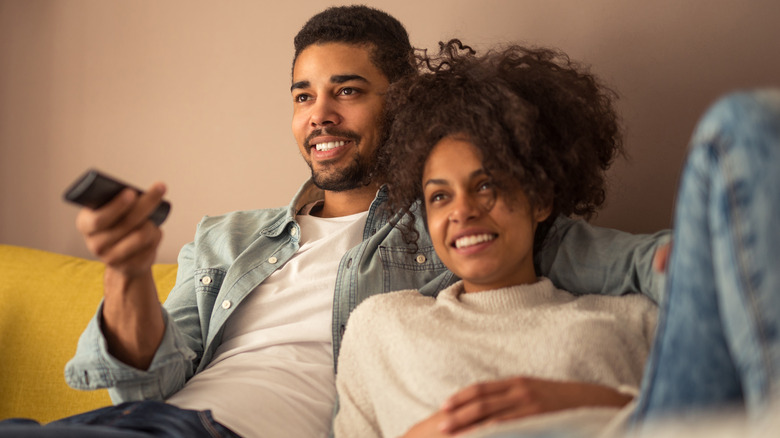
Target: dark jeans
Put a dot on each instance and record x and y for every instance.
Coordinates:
(143, 419)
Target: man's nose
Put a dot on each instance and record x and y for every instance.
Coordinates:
(324, 112)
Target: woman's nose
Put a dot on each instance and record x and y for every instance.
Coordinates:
(464, 209)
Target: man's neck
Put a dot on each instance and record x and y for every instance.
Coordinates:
(338, 204)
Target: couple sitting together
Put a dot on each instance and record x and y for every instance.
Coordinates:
(456, 183)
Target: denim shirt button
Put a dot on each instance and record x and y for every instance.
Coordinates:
(293, 231)
(420, 258)
(226, 304)
(272, 260)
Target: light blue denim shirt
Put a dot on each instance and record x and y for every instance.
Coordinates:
(233, 253)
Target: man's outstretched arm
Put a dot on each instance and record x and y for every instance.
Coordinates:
(121, 236)
(585, 259)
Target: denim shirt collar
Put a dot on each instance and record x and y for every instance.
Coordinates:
(309, 193)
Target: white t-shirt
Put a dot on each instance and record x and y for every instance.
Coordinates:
(272, 376)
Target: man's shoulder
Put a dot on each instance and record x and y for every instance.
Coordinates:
(244, 219)
(238, 229)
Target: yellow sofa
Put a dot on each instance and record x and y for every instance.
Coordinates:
(46, 300)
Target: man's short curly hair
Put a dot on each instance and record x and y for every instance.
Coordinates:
(392, 52)
(541, 123)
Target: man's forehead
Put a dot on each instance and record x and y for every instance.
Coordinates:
(335, 62)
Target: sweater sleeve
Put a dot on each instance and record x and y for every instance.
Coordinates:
(356, 416)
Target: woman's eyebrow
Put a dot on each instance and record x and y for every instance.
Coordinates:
(440, 182)
(479, 172)
(444, 182)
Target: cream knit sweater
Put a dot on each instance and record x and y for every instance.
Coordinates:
(403, 353)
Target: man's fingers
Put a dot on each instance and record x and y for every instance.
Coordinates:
(123, 215)
(89, 221)
(139, 242)
(661, 257)
(144, 206)
(128, 207)
(136, 252)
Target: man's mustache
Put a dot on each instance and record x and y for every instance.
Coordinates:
(335, 132)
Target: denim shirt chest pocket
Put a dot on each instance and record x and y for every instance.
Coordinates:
(409, 270)
(208, 282)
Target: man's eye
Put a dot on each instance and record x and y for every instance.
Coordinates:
(301, 98)
(348, 91)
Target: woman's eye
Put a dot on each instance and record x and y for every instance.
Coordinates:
(487, 185)
(436, 197)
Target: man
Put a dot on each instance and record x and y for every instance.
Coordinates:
(251, 331)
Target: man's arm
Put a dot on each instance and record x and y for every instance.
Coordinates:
(173, 363)
(123, 238)
(131, 331)
(584, 259)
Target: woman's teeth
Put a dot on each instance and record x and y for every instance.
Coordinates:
(473, 240)
(329, 145)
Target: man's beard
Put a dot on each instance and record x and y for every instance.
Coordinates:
(358, 173)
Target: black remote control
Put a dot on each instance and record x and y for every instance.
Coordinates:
(94, 189)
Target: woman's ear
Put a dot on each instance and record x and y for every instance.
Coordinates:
(542, 212)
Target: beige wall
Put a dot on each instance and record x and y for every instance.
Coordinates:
(196, 93)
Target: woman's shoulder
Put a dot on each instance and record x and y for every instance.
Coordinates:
(629, 301)
(381, 320)
(391, 303)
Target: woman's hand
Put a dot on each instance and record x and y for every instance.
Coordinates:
(491, 402)
(428, 428)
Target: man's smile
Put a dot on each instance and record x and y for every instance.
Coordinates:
(325, 149)
(329, 145)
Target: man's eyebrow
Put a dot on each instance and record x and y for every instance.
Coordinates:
(340, 79)
(298, 85)
(335, 79)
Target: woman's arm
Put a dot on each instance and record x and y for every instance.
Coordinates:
(501, 400)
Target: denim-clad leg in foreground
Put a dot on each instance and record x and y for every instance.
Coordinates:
(718, 339)
(145, 419)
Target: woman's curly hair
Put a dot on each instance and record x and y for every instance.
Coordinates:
(541, 123)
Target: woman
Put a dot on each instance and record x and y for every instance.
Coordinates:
(497, 147)
(718, 343)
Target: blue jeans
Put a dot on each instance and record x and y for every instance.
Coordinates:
(128, 420)
(718, 338)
